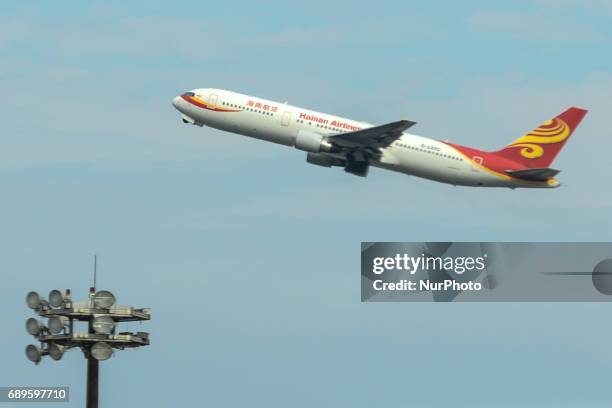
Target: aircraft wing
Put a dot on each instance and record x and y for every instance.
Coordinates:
(371, 137)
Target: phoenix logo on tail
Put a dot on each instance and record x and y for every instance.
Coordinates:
(552, 131)
(539, 147)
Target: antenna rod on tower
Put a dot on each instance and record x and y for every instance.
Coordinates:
(95, 269)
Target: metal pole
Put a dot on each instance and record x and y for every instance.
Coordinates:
(92, 374)
(92, 382)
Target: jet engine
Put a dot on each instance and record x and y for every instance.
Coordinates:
(314, 143)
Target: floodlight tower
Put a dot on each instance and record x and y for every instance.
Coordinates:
(101, 315)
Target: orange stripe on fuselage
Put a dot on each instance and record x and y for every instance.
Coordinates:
(205, 105)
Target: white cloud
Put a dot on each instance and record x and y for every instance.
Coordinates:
(535, 27)
(593, 5)
(319, 37)
(158, 37)
(148, 36)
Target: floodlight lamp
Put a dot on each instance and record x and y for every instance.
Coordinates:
(103, 299)
(33, 353)
(57, 323)
(56, 351)
(103, 324)
(33, 300)
(33, 326)
(56, 299)
(101, 351)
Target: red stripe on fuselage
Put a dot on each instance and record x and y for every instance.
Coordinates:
(496, 165)
(204, 106)
(489, 160)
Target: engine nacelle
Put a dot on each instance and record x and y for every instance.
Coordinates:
(323, 160)
(313, 143)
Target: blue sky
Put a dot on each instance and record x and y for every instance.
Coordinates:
(248, 256)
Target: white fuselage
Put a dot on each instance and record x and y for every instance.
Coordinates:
(281, 123)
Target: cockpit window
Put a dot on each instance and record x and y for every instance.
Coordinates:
(188, 94)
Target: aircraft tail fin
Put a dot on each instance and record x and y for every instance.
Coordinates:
(538, 148)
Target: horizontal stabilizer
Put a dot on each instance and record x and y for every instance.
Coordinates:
(533, 174)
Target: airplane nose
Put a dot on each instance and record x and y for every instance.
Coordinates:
(176, 102)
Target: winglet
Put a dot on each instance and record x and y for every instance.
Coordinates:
(407, 123)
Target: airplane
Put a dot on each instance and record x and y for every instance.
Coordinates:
(331, 140)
